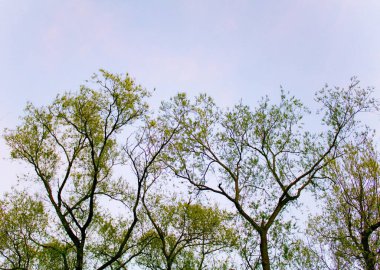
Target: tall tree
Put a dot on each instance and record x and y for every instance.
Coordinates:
(261, 160)
(349, 226)
(74, 146)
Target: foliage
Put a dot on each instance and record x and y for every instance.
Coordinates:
(22, 231)
(185, 235)
(99, 155)
(349, 226)
(72, 145)
(260, 160)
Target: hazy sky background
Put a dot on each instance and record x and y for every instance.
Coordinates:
(230, 49)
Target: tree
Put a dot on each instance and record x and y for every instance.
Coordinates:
(22, 231)
(261, 160)
(185, 235)
(287, 249)
(74, 146)
(349, 226)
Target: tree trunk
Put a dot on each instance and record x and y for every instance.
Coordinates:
(80, 257)
(65, 263)
(368, 255)
(265, 263)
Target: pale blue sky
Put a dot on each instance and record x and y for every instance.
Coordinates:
(230, 49)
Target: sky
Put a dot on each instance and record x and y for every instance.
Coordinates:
(232, 50)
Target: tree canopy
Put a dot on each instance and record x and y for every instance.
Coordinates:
(191, 185)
